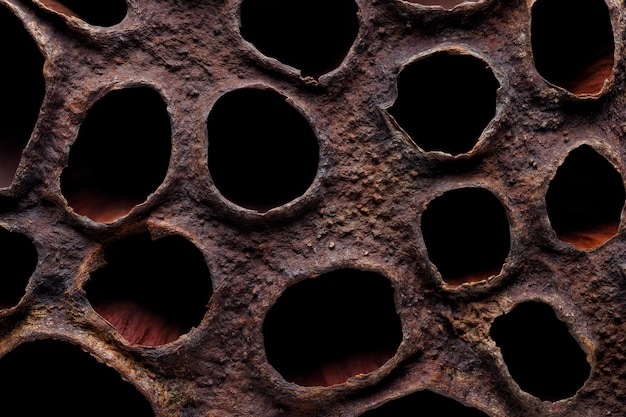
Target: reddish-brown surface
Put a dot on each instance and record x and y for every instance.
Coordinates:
(362, 211)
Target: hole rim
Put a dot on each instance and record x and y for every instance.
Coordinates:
(78, 24)
(311, 196)
(464, 5)
(489, 132)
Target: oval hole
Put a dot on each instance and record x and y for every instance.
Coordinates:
(103, 13)
(540, 353)
(324, 330)
(46, 378)
(445, 101)
(19, 260)
(467, 236)
(424, 404)
(121, 154)
(585, 199)
(572, 43)
(151, 291)
(313, 37)
(22, 89)
(262, 152)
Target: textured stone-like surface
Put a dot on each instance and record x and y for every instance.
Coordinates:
(362, 211)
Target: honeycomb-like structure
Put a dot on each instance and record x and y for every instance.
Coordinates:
(350, 208)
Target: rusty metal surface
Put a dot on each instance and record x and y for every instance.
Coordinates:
(363, 209)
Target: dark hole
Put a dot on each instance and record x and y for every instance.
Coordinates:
(262, 152)
(19, 260)
(22, 90)
(540, 353)
(47, 378)
(446, 4)
(467, 236)
(151, 291)
(95, 12)
(572, 42)
(324, 330)
(445, 102)
(313, 36)
(585, 199)
(424, 404)
(121, 154)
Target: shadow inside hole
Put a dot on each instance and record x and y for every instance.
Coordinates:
(467, 236)
(572, 43)
(18, 258)
(22, 89)
(324, 330)
(151, 291)
(540, 353)
(446, 4)
(313, 37)
(585, 199)
(262, 151)
(423, 404)
(102, 13)
(51, 377)
(445, 101)
(121, 154)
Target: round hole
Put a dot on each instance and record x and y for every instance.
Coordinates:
(324, 330)
(22, 89)
(424, 404)
(313, 37)
(151, 291)
(103, 13)
(262, 152)
(57, 378)
(540, 353)
(121, 154)
(467, 236)
(572, 43)
(585, 199)
(19, 260)
(445, 101)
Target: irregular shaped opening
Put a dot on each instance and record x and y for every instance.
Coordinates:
(324, 330)
(445, 101)
(585, 199)
(313, 37)
(59, 378)
(22, 88)
(572, 43)
(540, 353)
(151, 291)
(121, 154)
(446, 4)
(424, 404)
(18, 257)
(267, 157)
(466, 232)
(103, 13)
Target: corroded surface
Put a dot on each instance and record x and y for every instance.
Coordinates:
(363, 209)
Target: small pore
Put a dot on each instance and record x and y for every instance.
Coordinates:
(572, 43)
(424, 404)
(151, 291)
(262, 152)
(539, 351)
(102, 13)
(54, 378)
(19, 260)
(467, 236)
(585, 199)
(22, 89)
(324, 330)
(314, 37)
(121, 154)
(445, 101)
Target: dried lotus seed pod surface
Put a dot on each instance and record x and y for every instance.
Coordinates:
(349, 208)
